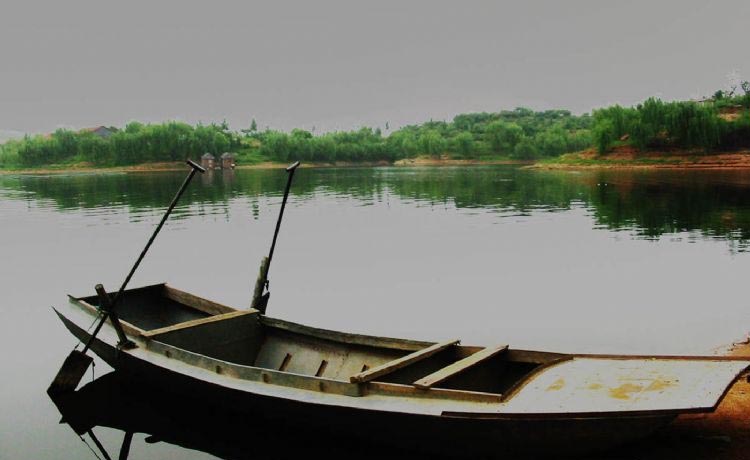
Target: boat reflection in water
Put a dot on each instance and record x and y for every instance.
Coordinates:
(112, 401)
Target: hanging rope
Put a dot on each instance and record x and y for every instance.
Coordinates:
(92, 450)
(96, 318)
(98, 444)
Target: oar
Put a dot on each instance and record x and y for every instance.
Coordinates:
(260, 300)
(77, 362)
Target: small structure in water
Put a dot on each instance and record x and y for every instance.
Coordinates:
(208, 161)
(227, 160)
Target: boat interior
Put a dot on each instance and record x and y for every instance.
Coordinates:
(245, 337)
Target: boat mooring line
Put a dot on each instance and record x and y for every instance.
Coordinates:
(98, 444)
(87, 445)
(96, 318)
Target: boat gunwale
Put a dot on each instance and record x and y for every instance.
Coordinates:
(386, 389)
(265, 375)
(151, 343)
(129, 328)
(374, 341)
(252, 373)
(407, 390)
(152, 347)
(391, 343)
(551, 357)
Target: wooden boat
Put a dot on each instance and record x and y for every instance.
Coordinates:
(111, 401)
(439, 396)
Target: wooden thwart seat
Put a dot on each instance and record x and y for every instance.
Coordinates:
(401, 362)
(197, 322)
(458, 367)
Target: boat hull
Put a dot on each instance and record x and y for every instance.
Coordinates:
(497, 436)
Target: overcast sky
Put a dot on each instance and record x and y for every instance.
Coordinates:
(341, 65)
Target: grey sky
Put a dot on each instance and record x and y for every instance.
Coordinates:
(341, 65)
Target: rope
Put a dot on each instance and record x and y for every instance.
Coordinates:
(92, 450)
(98, 445)
(96, 318)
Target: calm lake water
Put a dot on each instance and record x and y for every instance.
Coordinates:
(612, 262)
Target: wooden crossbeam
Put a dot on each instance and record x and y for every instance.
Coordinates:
(401, 362)
(458, 367)
(197, 322)
(198, 303)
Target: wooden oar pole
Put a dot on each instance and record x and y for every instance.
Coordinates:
(77, 362)
(194, 168)
(260, 300)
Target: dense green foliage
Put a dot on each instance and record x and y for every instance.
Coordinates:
(136, 143)
(722, 122)
(519, 133)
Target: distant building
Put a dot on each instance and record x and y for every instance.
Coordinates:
(208, 161)
(101, 131)
(227, 160)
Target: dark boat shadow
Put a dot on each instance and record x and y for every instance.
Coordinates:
(112, 401)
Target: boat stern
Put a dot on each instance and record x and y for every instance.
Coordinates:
(633, 385)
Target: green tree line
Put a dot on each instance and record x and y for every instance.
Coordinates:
(519, 133)
(136, 143)
(719, 123)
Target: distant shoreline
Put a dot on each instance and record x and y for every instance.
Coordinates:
(180, 166)
(587, 160)
(630, 159)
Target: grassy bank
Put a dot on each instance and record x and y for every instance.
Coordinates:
(625, 157)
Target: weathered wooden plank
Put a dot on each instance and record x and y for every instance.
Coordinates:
(401, 362)
(346, 337)
(199, 303)
(399, 390)
(663, 357)
(187, 361)
(595, 385)
(196, 322)
(537, 357)
(459, 366)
